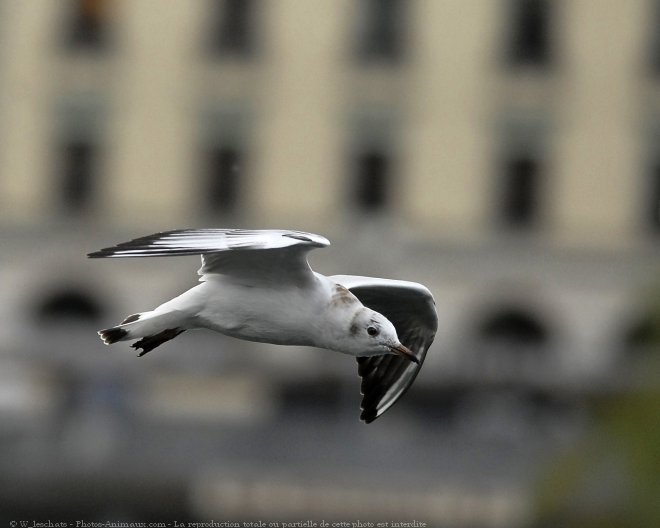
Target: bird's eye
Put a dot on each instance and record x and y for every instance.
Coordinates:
(372, 331)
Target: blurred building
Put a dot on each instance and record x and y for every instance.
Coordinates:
(504, 153)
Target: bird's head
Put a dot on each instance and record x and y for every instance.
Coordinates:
(371, 334)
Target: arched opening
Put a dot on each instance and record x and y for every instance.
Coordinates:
(68, 305)
(641, 334)
(514, 327)
(512, 344)
(639, 340)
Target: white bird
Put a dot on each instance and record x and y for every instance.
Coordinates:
(258, 286)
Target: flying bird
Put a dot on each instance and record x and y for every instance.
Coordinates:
(258, 286)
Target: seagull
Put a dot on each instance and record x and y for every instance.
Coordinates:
(257, 285)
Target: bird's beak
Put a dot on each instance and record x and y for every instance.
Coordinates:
(405, 353)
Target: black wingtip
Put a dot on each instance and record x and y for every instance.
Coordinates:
(112, 335)
(368, 416)
(101, 253)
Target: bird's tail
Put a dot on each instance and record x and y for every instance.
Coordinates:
(151, 328)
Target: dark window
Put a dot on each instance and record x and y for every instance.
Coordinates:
(513, 327)
(233, 28)
(519, 192)
(88, 25)
(222, 172)
(371, 179)
(530, 34)
(319, 396)
(640, 341)
(442, 404)
(643, 334)
(653, 201)
(78, 161)
(654, 41)
(512, 345)
(380, 33)
(69, 305)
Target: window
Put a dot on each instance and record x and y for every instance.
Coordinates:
(88, 25)
(519, 207)
(529, 39)
(77, 174)
(639, 343)
(77, 151)
(222, 173)
(68, 305)
(233, 28)
(312, 397)
(652, 197)
(380, 31)
(224, 162)
(372, 176)
(513, 327)
(524, 138)
(654, 41)
(643, 334)
(443, 403)
(372, 156)
(512, 344)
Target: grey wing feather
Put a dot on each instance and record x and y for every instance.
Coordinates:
(411, 309)
(202, 241)
(226, 250)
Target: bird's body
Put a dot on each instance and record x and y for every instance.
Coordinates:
(245, 311)
(258, 286)
(255, 314)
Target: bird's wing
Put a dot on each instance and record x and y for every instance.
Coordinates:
(411, 309)
(267, 254)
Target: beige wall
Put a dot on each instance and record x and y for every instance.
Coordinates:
(598, 156)
(25, 61)
(151, 135)
(447, 141)
(301, 106)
